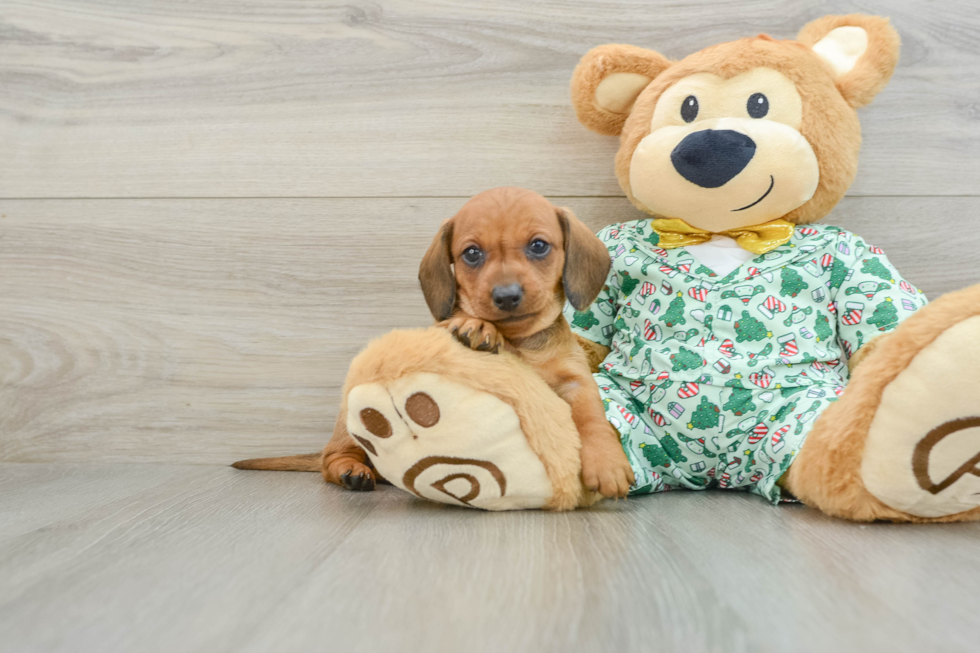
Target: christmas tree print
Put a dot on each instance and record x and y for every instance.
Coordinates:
(792, 283)
(653, 238)
(838, 274)
(674, 314)
(585, 320)
(822, 328)
(874, 266)
(807, 365)
(740, 402)
(628, 284)
(705, 416)
(685, 359)
(730, 276)
(749, 328)
(654, 454)
(885, 316)
(672, 448)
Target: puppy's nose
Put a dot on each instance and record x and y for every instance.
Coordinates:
(508, 297)
(712, 157)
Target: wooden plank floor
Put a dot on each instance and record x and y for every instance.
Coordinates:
(202, 558)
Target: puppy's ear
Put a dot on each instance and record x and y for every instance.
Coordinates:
(436, 274)
(608, 80)
(861, 50)
(587, 261)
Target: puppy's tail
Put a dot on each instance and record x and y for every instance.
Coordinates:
(309, 462)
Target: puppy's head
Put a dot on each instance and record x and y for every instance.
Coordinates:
(512, 258)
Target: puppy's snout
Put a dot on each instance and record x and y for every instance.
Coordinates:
(712, 157)
(507, 298)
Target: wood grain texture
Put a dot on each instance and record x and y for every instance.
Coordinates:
(215, 559)
(132, 98)
(205, 331)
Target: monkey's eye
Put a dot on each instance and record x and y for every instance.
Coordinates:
(689, 108)
(758, 105)
(538, 248)
(472, 256)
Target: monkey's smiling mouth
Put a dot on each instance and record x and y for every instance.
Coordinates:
(772, 182)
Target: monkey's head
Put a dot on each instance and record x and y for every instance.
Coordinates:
(739, 133)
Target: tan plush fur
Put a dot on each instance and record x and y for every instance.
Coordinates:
(594, 67)
(827, 472)
(545, 419)
(595, 352)
(830, 123)
(873, 70)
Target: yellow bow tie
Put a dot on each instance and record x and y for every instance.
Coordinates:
(758, 239)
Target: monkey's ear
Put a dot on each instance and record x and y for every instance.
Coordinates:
(861, 51)
(436, 274)
(587, 261)
(608, 80)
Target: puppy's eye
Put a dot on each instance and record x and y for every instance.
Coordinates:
(758, 105)
(689, 108)
(472, 256)
(538, 249)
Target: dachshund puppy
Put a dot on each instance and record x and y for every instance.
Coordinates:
(497, 276)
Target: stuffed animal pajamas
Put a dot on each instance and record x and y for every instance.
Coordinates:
(719, 379)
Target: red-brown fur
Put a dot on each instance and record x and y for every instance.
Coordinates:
(502, 222)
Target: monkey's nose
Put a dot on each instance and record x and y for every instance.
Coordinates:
(712, 157)
(508, 297)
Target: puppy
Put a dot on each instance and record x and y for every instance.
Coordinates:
(497, 276)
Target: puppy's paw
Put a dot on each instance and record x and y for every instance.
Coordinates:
(474, 333)
(351, 475)
(605, 468)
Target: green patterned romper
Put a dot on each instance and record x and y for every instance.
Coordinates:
(716, 381)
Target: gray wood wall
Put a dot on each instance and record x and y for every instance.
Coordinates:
(207, 208)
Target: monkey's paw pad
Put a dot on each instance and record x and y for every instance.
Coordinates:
(447, 442)
(922, 454)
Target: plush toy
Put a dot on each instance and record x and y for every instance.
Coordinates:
(464, 427)
(738, 345)
(729, 326)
